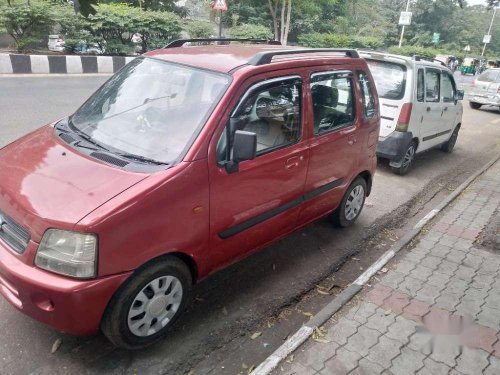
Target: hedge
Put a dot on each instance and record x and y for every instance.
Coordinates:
(325, 40)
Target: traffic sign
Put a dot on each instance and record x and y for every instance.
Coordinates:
(436, 37)
(405, 19)
(487, 39)
(220, 5)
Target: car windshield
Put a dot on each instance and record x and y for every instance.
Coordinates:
(489, 76)
(390, 78)
(151, 108)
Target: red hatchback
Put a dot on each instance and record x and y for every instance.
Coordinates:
(186, 160)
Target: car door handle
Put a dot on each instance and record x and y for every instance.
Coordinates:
(351, 139)
(428, 109)
(293, 162)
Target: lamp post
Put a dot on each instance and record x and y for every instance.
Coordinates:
(403, 27)
(489, 30)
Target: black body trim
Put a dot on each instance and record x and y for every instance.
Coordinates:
(278, 210)
(436, 135)
(387, 118)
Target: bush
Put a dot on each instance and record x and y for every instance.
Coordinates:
(319, 40)
(250, 31)
(414, 50)
(26, 24)
(200, 29)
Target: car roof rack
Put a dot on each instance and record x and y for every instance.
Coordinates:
(430, 59)
(266, 57)
(181, 42)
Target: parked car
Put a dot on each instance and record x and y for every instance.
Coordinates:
(420, 107)
(186, 160)
(56, 43)
(485, 90)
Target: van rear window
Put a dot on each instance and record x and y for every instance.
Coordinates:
(390, 78)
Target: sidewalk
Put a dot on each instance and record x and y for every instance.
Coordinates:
(437, 309)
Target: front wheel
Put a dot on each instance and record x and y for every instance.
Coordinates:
(450, 143)
(148, 304)
(351, 205)
(474, 105)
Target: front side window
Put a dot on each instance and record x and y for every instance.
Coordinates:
(448, 88)
(333, 101)
(432, 85)
(151, 108)
(272, 111)
(367, 92)
(420, 86)
(390, 78)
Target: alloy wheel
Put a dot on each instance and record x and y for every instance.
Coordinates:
(354, 202)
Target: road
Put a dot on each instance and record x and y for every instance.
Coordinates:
(271, 292)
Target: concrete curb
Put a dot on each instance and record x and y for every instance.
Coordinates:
(292, 343)
(60, 64)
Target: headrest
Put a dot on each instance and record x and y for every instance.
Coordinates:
(325, 95)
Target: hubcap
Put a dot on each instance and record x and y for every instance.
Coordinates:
(410, 153)
(354, 202)
(154, 306)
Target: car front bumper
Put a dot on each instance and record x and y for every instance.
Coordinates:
(394, 145)
(70, 305)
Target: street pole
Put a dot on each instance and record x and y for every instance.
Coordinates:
(220, 24)
(489, 30)
(403, 28)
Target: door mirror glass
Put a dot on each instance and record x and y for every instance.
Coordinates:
(460, 94)
(244, 148)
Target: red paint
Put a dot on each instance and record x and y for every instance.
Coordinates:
(138, 217)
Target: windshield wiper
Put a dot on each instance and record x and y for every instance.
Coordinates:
(85, 136)
(141, 159)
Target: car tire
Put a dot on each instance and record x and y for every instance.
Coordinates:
(450, 143)
(408, 157)
(155, 296)
(351, 205)
(474, 105)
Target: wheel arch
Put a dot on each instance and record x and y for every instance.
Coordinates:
(185, 258)
(367, 176)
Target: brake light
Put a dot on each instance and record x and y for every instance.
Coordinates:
(404, 118)
(473, 83)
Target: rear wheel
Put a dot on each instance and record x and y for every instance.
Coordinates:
(450, 143)
(351, 205)
(149, 303)
(407, 161)
(474, 105)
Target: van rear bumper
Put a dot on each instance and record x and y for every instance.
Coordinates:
(394, 145)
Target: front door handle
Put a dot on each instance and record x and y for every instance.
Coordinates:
(428, 109)
(293, 162)
(351, 139)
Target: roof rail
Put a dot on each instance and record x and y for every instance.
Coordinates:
(431, 59)
(181, 42)
(265, 57)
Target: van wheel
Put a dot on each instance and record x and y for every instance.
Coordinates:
(450, 143)
(352, 204)
(408, 157)
(474, 105)
(148, 304)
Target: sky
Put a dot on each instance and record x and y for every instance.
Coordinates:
(476, 2)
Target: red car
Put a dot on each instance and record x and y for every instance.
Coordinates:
(188, 159)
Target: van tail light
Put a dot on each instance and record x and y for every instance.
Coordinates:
(498, 90)
(404, 118)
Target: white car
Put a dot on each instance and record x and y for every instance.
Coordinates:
(420, 107)
(485, 90)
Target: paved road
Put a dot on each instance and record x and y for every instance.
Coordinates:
(233, 302)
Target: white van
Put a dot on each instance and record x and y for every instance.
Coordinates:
(419, 107)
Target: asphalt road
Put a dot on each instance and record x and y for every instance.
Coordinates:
(233, 303)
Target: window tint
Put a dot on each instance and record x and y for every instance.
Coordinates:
(333, 101)
(448, 88)
(367, 92)
(420, 86)
(272, 111)
(489, 76)
(390, 78)
(432, 83)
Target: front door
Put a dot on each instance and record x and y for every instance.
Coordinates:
(433, 109)
(450, 107)
(261, 200)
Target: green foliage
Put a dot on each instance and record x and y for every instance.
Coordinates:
(27, 24)
(415, 50)
(248, 30)
(200, 29)
(327, 40)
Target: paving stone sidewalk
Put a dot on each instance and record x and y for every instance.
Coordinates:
(436, 311)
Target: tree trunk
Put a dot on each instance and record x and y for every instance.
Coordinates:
(76, 6)
(287, 23)
(282, 23)
(273, 16)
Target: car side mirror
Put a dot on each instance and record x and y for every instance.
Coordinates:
(244, 148)
(460, 95)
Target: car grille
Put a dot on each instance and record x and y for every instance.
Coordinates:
(13, 234)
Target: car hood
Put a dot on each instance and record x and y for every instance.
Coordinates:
(45, 183)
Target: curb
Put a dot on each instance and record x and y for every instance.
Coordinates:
(292, 343)
(61, 64)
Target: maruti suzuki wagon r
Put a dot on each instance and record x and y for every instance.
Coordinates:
(189, 158)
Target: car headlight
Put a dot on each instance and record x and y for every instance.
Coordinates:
(68, 253)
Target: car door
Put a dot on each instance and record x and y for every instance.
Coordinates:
(260, 201)
(334, 147)
(433, 108)
(450, 107)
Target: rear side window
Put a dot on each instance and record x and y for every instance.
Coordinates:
(367, 93)
(390, 78)
(420, 86)
(489, 76)
(333, 101)
(448, 88)
(432, 85)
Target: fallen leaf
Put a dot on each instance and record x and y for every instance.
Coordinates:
(224, 310)
(198, 299)
(290, 359)
(251, 369)
(191, 372)
(322, 341)
(310, 315)
(244, 365)
(255, 335)
(384, 270)
(387, 312)
(274, 267)
(322, 292)
(56, 345)
(354, 258)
